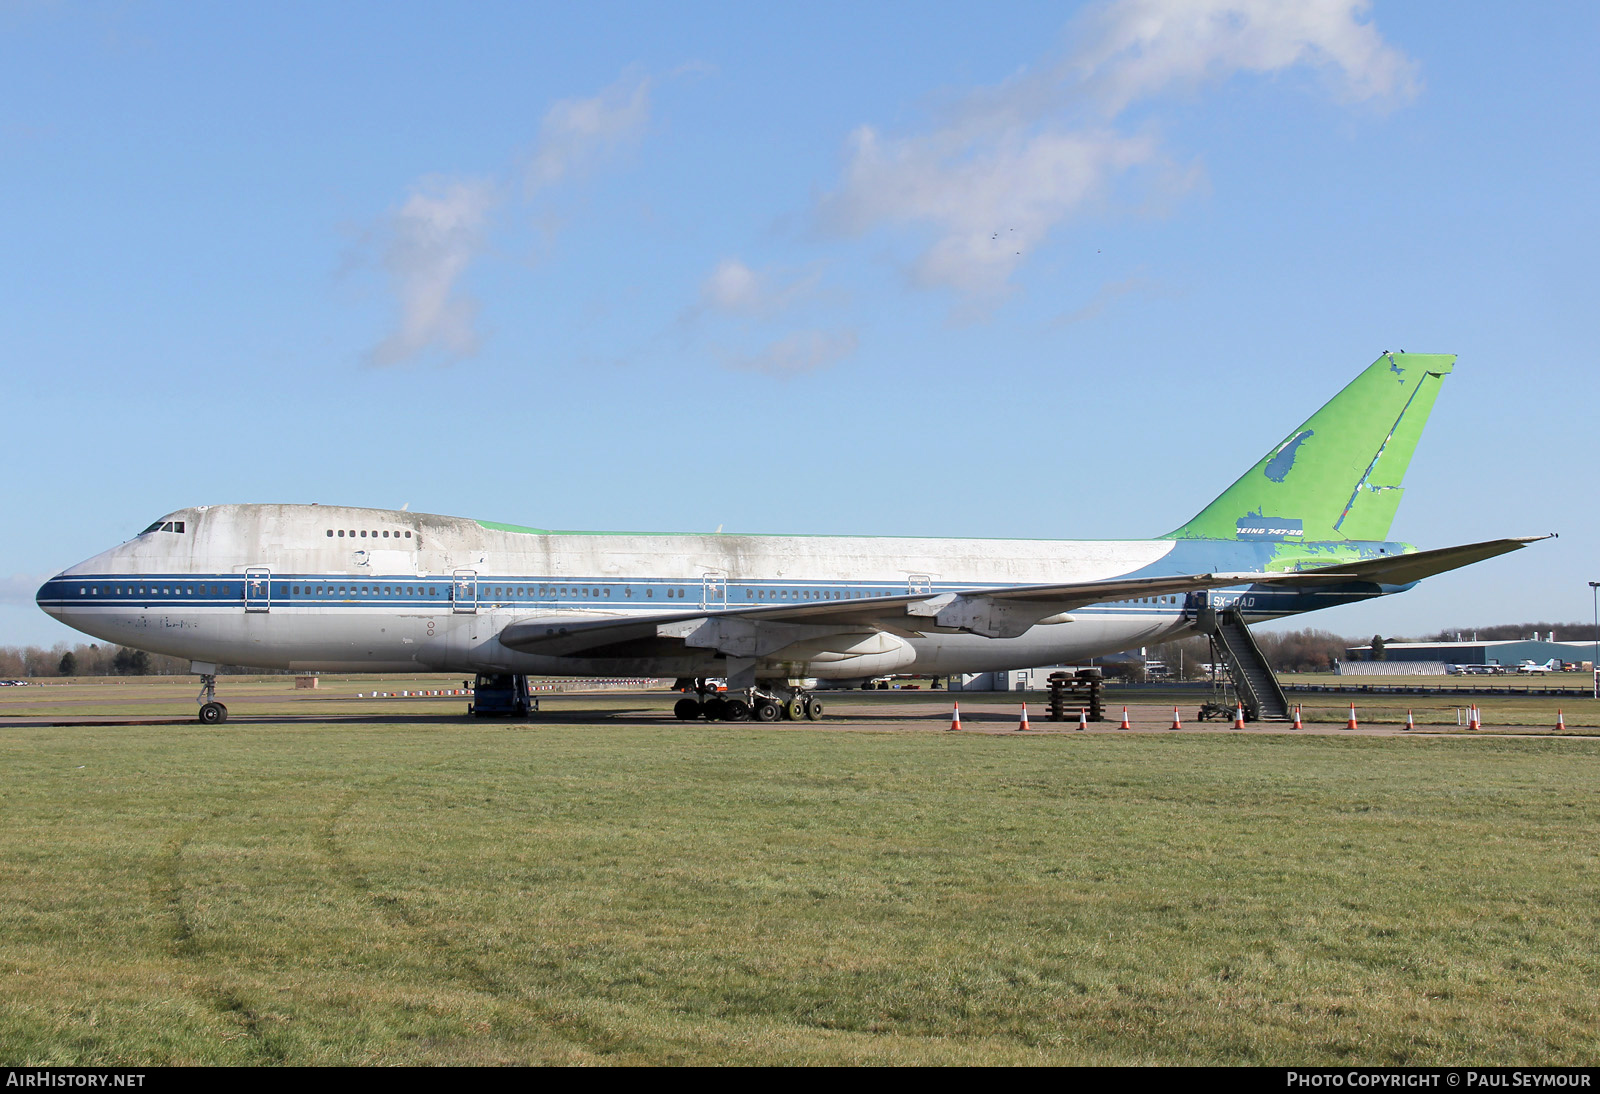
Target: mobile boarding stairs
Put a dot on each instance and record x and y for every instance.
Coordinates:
(1253, 679)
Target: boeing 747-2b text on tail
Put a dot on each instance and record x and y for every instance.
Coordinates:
(320, 587)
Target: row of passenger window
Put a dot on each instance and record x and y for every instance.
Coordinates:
(154, 590)
(363, 533)
(517, 592)
(361, 590)
(546, 592)
(543, 592)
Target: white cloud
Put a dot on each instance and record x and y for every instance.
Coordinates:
(736, 289)
(1010, 163)
(1139, 48)
(21, 588)
(431, 240)
(576, 133)
(991, 201)
(797, 353)
(1106, 296)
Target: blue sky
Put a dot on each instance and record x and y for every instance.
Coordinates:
(926, 269)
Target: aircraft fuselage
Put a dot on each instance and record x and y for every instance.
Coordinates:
(331, 588)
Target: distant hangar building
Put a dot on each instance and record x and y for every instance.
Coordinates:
(1434, 657)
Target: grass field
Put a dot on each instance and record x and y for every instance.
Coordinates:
(643, 891)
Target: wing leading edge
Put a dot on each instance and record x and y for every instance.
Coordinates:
(992, 612)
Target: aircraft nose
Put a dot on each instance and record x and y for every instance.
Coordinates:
(48, 597)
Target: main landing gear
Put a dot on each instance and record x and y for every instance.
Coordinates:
(212, 713)
(764, 703)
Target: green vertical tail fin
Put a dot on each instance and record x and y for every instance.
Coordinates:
(1338, 475)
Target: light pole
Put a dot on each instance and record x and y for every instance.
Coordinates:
(1594, 589)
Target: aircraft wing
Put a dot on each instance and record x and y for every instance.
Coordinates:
(994, 612)
(1404, 569)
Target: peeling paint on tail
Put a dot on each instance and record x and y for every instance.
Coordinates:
(1336, 477)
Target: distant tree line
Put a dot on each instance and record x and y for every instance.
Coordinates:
(21, 662)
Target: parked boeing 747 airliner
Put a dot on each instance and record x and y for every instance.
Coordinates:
(319, 587)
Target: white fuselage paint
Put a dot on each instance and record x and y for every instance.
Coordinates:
(523, 575)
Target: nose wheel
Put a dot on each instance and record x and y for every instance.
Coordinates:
(212, 713)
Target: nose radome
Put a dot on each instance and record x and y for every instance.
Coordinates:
(46, 594)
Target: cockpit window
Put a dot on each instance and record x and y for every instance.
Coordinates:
(164, 526)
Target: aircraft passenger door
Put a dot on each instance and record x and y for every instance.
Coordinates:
(919, 583)
(714, 590)
(257, 589)
(464, 592)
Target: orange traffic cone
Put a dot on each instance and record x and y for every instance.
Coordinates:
(1022, 725)
(1561, 721)
(1177, 722)
(1297, 723)
(1238, 716)
(1411, 723)
(1351, 724)
(1125, 724)
(955, 718)
(1083, 719)
(1472, 718)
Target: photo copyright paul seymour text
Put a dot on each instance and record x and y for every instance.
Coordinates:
(1469, 1079)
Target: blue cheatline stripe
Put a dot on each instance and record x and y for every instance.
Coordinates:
(321, 591)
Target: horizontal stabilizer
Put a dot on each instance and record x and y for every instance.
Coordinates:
(1404, 569)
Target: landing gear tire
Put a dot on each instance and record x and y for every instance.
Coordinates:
(794, 710)
(735, 710)
(715, 708)
(213, 714)
(813, 709)
(686, 710)
(768, 711)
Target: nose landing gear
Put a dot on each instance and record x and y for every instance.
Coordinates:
(212, 713)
